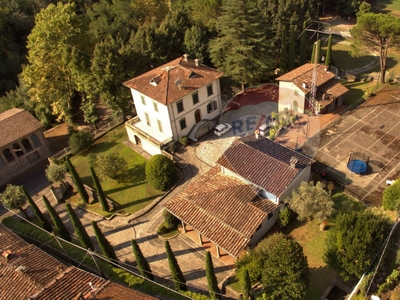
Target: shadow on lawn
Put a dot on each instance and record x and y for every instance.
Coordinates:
(104, 146)
(320, 280)
(136, 202)
(135, 174)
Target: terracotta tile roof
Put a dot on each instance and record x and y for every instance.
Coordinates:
(263, 162)
(9, 241)
(325, 80)
(221, 208)
(116, 291)
(16, 123)
(69, 284)
(165, 88)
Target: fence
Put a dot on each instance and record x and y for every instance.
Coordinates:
(101, 130)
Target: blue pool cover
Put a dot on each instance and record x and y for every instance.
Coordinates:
(357, 166)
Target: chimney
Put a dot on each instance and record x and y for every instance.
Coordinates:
(196, 62)
(185, 57)
(304, 85)
(293, 161)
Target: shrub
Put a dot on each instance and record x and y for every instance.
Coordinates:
(161, 172)
(111, 165)
(284, 217)
(391, 196)
(183, 140)
(171, 221)
(80, 141)
(56, 173)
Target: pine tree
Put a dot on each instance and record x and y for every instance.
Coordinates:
(141, 261)
(328, 52)
(176, 273)
(100, 192)
(78, 182)
(292, 46)
(58, 223)
(39, 215)
(80, 231)
(247, 291)
(303, 45)
(105, 246)
(211, 278)
(284, 55)
(313, 53)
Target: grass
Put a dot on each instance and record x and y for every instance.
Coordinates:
(132, 192)
(388, 6)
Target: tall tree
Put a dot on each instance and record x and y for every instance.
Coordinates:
(211, 278)
(247, 290)
(56, 173)
(285, 272)
(303, 45)
(80, 231)
(354, 241)
(328, 52)
(14, 198)
(241, 50)
(59, 49)
(141, 261)
(311, 201)
(77, 181)
(313, 54)
(62, 230)
(292, 49)
(318, 52)
(176, 273)
(195, 43)
(376, 32)
(39, 215)
(100, 192)
(284, 54)
(205, 12)
(105, 246)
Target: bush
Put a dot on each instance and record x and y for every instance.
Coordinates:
(183, 140)
(161, 172)
(391, 196)
(171, 221)
(284, 217)
(80, 141)
(111, 165)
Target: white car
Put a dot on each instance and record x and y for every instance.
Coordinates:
(221, 129)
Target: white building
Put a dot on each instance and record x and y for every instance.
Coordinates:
(170, 100)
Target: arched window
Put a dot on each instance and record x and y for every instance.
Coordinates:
(8, 155)
(27, 145)
(17, 149)
(35, 140)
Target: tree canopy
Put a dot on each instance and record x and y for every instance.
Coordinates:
(311, 201)
(161, 172)
(376, 32)
(391, 196)
(354, 240)
(13, 197)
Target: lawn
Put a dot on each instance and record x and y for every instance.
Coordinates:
(132, 193)
(388, 6)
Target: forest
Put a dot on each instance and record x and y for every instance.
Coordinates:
(58, 57)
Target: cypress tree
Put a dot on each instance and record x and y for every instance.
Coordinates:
(100, 192)
(176, 272)
(328, 52)
(141, 261)
(292, 45)
(247, 291)
(78, 182)
(58, 223)
(211, 278)
(80, 231)
(284, 59)
(303, 45)
(105, 246)
(318, 52)
(313, 53)
(41, 218)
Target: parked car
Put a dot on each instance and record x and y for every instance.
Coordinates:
(221, 129)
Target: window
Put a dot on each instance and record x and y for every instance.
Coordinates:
(179, 106)
(35, 140)
(8, 155)
(155, 105)
(147, 119)
(195, 98)
(209, 90)
(143, 100)
(27, 145)
(159, 125)
(211, 106)
(182, 123)
(17, 149)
